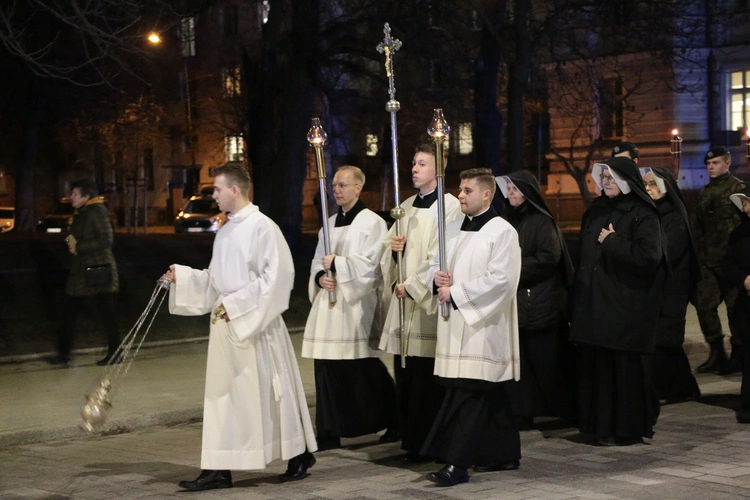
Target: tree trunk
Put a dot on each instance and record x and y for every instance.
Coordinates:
(489, 129)
(518, 79)
(25, 220)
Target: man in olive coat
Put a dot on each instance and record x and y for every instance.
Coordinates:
(93, 271)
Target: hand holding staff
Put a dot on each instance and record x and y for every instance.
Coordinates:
(317, 137)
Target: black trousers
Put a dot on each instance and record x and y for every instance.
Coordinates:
(419, 399)
(72, 307)
(475, 426)
(354, 397)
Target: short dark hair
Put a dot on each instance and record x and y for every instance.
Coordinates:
(482, 175)
(86, 187)
(426, 147)
(236, 175)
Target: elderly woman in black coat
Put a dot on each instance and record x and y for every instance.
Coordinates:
(673, 378)
(737, 271)
(615, 307)
(546, 273)
(93, 271)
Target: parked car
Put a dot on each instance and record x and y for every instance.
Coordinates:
(7, 218)
(200, 214)
(60, 218)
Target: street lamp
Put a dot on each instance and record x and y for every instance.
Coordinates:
(155, 39)
(676, 152)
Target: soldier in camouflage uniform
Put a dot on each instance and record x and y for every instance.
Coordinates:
(714, 218)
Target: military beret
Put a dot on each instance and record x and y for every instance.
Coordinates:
(715, 152)
(626, 147)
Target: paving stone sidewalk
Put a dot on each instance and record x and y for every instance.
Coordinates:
(699, 452)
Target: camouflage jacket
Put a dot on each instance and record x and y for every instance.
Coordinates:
(714, 217)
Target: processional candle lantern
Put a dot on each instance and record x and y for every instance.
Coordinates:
(439, 131)
(676, 152)
(317, 138)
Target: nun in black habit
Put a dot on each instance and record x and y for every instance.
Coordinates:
(737, 271)
(615, 307)
(546, 274)
(673, 379)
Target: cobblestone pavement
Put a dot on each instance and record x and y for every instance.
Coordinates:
(699, 452)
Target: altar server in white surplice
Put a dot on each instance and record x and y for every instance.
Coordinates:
(254, 407)
(477, 348)
(354, 391)
(419, 395)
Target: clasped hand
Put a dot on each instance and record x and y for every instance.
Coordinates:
(606, 232)
(443, 284)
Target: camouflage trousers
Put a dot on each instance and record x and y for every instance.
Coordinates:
(710, 291)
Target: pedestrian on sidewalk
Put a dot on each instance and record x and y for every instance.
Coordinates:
(254, 407)
(355, 394)
(477, 348)
(419, 395)
(93, 270)
(737, 272)
(673, 379)
(713, 219)
(615, 307)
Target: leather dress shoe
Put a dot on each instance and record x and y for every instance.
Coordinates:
(209, 480)
(297, 467)
(58, 359)
(107, 360)
(390, 436)
(743, 416)
(512, 465)
(450, 475)
(717, 361)
(328, 443)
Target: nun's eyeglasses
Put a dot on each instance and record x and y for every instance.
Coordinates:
(650, 184)
(606, 178)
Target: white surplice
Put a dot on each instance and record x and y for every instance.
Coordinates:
(350, 329)
(480, 339)
(254, 408)
(420, 226)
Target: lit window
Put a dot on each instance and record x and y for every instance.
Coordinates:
(231, 81)
(465, 140)
(264, 9)
(371, 145)
(187, 36)
(234, 148)
(740, 100)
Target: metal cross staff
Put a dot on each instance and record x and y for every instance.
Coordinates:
(388, 46)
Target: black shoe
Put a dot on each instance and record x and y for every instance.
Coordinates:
(743, 416)
(209, 480)
(524, 423)
(619, 441)
(415, 457)
(450, 475)
(512, 465)
(328, 443)
(58, 359)
(390, 436)
(107, 360)
(297, 467)
(735, 360)
(717, 361)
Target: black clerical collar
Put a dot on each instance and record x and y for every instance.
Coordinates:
(344, 219)
(425, 201)
(476, 222)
